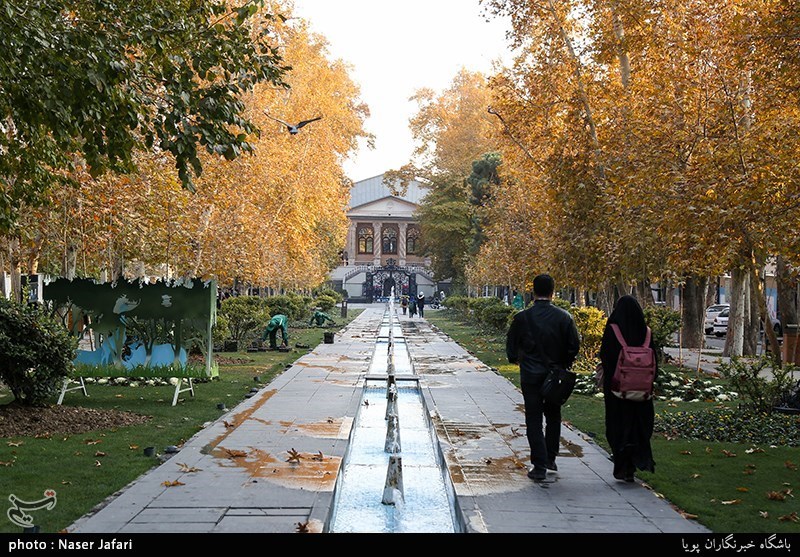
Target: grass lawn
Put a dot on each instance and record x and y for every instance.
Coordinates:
(85, 469)
(728, 487)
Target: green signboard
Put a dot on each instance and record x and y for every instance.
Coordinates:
(138, 328)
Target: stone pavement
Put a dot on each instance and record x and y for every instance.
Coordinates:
(238, 474)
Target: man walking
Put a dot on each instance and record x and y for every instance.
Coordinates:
(541, 337)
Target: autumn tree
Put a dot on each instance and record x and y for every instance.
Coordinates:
(274, 216)
(453, 141)
(94, 81)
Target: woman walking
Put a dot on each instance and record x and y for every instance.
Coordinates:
(629, 423)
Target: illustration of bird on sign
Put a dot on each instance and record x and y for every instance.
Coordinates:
(293, 128)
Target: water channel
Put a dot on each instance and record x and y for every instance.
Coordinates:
(393, 477)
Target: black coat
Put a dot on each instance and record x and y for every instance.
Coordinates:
(555, 343)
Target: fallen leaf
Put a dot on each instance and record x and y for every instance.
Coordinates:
(232, 453)
(789, 518)
(172, 483)
(42, 436)
(118, 396)
(302, 528)
(188, 469)
(764, 514)
(790, 465)
(318, 457)
(14, 443)
(732, 502)
(742, 489)
(695, 476)
(227, 424)
(294, 456)
(330, 420)
(6, 463)
(686, 452)
(133, 447)
(775, 496)
(754, 450)
(690, 516)
(92, 442)
(97, 463)
(99, 453)
(708, 450)
(65, 482)
(728, 453)
(788, 493)
(77, 453)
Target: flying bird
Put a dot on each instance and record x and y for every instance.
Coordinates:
(293, 128)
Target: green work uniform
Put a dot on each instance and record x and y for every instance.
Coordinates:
(320, 317)
(277, 322)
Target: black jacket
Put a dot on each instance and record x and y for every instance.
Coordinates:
(556, 339)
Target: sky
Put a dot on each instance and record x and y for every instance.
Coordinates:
(395, 48)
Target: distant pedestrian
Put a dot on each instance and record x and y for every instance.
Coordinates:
(404, 303)
(421, 304)
(539, 337)
(629, 423)
(412, 307)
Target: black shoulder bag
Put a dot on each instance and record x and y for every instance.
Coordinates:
(560, 382)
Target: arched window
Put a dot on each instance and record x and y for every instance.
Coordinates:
(365, 239)
(389, 244)
(412, 241)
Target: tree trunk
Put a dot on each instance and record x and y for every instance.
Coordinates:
(34, 254)
(734, 339)
(70, 267)
(770, 339)
(752, 330)
(739, 313)
(644, 293)
(16, 269)
(694, 294)
(787, 293)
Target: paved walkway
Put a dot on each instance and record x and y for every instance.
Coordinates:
(235, 475)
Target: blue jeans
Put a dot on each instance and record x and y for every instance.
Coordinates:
(544, 443)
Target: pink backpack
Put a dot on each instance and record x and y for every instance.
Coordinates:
(636, 370)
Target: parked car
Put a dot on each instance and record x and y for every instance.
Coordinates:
(720, 325)
(712, 312)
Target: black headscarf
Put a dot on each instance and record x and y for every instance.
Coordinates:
(629, 317)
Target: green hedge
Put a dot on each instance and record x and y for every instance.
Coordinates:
(246, 316)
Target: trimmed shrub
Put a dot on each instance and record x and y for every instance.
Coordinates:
(220, 332)
(36, 352)
(497, 316)
(591, 323)
(477, 305)
(325, 302)
(663, 321)
(458, 303)
(337, 296)
(292, 305)
(559, 302)
(247, 316)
